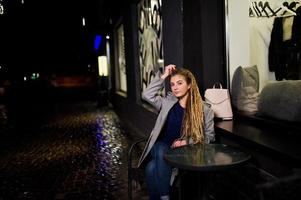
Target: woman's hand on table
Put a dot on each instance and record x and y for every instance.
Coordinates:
(178, 143)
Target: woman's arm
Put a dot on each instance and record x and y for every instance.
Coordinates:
(151, 93)
(208, 124)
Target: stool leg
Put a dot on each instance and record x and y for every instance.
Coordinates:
(180, 188)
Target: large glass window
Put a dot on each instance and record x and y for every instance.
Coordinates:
(259, 33)
(264, 56)
(121, 84)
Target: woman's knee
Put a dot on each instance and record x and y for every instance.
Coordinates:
(159, 149)
(150, 168)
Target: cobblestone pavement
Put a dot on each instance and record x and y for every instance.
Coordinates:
(78, 152)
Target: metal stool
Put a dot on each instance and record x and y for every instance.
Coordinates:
(133, 171)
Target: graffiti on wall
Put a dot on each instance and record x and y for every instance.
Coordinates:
(150, 39)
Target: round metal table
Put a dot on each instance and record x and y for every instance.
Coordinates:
(206, 158)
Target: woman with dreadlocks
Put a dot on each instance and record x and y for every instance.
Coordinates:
(183, 119)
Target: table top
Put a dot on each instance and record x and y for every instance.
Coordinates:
(206, 157)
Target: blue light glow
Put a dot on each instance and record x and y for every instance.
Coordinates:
(97, 42)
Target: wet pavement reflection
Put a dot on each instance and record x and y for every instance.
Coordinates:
(77, 151)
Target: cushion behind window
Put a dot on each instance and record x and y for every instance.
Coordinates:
(245, 86)
(281, 100)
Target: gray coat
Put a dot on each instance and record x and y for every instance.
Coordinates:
(163, 104)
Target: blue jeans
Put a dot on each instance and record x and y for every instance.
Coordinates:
(158, 172)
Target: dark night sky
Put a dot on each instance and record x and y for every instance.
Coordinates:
(47, 35)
